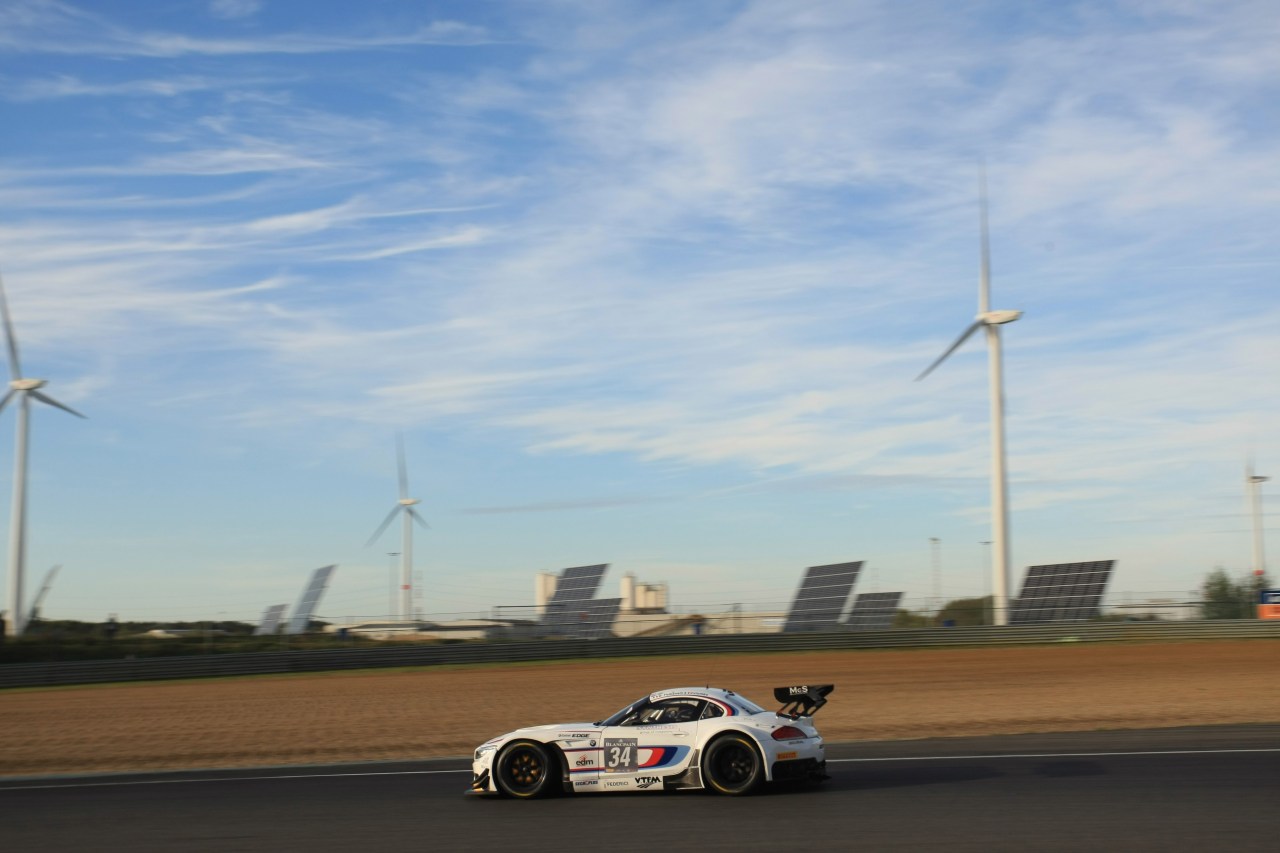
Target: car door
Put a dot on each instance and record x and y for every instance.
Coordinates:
(654, 742)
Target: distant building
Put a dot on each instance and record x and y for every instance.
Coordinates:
(642, 597)
(1158, 609)
(179, 633)
(462, 629)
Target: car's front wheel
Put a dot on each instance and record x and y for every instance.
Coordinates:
(731, 765)
(526, 769)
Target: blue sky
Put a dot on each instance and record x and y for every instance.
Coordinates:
(641, 283)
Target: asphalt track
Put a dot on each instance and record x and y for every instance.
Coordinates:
(1212, 788)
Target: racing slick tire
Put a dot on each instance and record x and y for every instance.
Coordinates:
(526, 769)
(731, 765)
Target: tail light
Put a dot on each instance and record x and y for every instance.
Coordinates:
(788, 733)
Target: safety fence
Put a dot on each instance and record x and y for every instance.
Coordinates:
(263, 663)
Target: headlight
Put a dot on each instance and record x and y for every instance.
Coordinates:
(484, 750)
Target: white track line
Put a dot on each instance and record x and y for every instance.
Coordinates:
(128, 782)
(1052, 755)
(264, 778)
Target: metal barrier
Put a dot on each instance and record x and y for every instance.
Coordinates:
(263, 663)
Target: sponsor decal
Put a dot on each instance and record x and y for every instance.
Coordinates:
(647, 781)
(582, 760)
(585, 783)
(576, 734)
(786, 756)
(694, 692)
(618, 784)
(798, 691)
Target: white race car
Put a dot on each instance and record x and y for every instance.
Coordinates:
(691, 737)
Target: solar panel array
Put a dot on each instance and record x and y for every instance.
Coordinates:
(579, 583)
(595, 622)
(821, 599)
(873, 611)
(270, 620)
(574, 597)
(310, 598)
(1063, 592)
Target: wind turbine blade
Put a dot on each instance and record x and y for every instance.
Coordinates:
(44, 590)
(386, 522)
(400, 465)
(417, 518)
(45, 398)
(960, 340)
(15, 366)
(7, 398)
(984, 286)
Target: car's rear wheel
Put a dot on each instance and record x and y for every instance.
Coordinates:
(526, 769)
(731, 765)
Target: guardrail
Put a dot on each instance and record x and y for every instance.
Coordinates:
(263, 663)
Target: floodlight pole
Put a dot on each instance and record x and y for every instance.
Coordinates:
(935, 545)
(1253, 482)
(18, 523)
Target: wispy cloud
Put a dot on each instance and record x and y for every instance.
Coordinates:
(561, 506)
(234, 8)
(66, 86)
(52, 27)
(463, 237)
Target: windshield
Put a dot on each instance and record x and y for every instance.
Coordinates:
(742, 703)
(617, 718)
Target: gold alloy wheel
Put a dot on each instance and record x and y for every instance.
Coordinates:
(522, 770)
(526, 769)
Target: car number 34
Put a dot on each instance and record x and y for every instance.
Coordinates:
(620, 755)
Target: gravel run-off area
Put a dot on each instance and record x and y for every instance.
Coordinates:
(375, 715)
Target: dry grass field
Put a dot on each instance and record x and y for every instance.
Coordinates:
(446, 711)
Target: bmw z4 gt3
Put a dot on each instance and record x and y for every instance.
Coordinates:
(686, 738)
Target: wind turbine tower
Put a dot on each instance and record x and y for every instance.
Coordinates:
(23, 390)
(405, 508)
(991, 321)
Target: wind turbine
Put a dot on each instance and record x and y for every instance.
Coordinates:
(23, 390)
(405, 507)
(992, 321)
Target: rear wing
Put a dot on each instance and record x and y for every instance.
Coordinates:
(802, 700)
